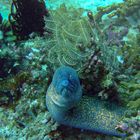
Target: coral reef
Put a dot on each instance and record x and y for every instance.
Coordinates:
(120, 13)
(78, 44)
(102, 47)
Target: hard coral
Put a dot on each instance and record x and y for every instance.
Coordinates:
(120, 13)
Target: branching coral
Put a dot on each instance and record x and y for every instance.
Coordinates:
(120, 14)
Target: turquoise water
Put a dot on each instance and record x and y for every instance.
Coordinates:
(86, 4)
(4, 8)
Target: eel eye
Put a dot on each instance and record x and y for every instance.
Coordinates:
(65, 83)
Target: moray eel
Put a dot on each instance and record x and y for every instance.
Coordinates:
(67, 106)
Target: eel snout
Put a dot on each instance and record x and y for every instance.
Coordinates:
(67, 84)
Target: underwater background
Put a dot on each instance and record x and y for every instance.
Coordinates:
(100, 40)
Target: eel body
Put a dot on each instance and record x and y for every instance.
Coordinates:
(64, 102)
